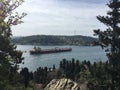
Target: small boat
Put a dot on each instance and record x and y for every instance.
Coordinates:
(46, 51)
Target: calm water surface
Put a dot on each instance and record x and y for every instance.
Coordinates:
(78, 52)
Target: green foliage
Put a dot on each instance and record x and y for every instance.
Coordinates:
(25, 73)
(40, 75)
(110, 40)
(75, 70)
(9, 56)
(54, 40)
(96, 75)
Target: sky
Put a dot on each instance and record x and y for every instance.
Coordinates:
(60, 17)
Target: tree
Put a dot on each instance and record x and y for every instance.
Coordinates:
(25, 73)
(110, 40)
(9, 56)
(53, 67)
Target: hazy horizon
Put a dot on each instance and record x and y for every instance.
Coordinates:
(60, 17)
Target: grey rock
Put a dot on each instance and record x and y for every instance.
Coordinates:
(62, 84)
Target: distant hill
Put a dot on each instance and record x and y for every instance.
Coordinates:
(54, 40)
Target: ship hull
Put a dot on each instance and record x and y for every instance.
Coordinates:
(47, 51)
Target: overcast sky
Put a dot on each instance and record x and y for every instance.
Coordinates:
(60, 17)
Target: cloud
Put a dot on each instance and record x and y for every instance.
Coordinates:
(60, 17)
(88, 1)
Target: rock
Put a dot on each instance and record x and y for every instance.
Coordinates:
(62, 84)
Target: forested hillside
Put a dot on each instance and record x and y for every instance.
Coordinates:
(54, 40)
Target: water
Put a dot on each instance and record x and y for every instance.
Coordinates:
(78, 52)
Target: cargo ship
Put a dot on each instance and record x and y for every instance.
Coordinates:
(46, 51)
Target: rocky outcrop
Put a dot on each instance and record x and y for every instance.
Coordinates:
(62, 84)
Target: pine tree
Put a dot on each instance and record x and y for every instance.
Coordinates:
(25, 73)
(9, 56)
(110, 40)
